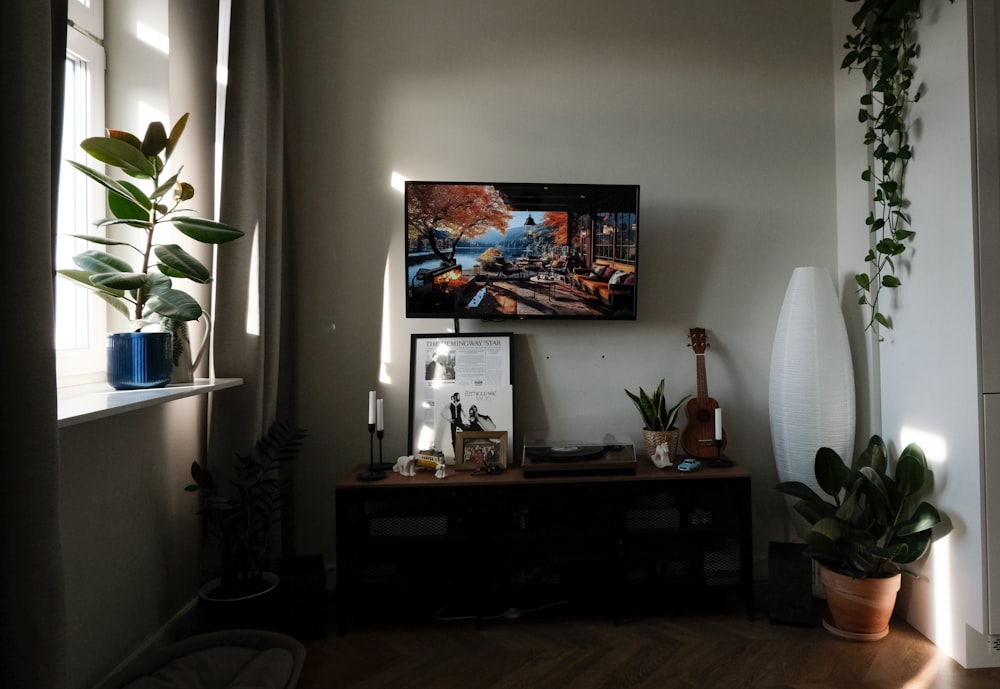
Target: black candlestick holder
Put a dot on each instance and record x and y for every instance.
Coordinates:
(381, 465)
(373, 473)
(719, 460)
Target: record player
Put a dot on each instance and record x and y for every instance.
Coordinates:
(547, 453)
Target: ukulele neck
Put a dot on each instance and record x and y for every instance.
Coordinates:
(702, 378)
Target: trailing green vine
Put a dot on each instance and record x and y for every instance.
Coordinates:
(883, 48)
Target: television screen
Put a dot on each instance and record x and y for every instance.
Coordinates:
(497, 250)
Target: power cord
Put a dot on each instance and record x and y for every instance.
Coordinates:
(511, 613)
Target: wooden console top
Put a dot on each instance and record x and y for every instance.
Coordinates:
(644, 471)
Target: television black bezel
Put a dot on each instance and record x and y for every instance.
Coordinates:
(538, 197)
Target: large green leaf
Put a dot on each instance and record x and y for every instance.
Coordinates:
(831, 472)
(175, 134)
(122, 281)
(831, 528)
(924, 517)
(814, 511)
(206, 231)
(155, 139)
(165, 187)
(102, 179)
(120, 154)
(84, 278)
(127, 209)
(186, 265)
(172, 303)
(101, 262)
(911, 470)
(99, 240)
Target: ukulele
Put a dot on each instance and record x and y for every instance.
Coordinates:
(698, 438)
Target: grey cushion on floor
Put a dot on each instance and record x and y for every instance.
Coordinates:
(234, 659)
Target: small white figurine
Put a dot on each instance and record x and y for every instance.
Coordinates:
(661, 457)
(440, 471)
(406, 466)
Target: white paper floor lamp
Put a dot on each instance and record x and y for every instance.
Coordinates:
(811, 395)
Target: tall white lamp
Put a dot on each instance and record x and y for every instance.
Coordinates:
(811, 396)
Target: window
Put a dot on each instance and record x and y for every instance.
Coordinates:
(80, 317)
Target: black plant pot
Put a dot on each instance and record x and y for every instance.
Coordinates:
(253, 611)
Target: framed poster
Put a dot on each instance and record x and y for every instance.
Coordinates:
(459, 383)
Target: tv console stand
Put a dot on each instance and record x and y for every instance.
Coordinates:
(477, 545)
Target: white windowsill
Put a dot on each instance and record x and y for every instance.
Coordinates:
(82, 403)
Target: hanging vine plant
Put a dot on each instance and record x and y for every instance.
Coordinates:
(884, 49)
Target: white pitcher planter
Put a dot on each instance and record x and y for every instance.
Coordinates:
(184, 361)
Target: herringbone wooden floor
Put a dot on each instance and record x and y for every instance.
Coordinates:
(559, 649)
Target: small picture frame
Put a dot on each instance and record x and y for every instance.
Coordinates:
(480, 449)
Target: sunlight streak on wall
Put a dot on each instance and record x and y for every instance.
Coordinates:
(941, 586)
(934, 446)
(936, 450)
(385, 355)
(396, 181)
(253, 285)
(152, 37)
(147, 114)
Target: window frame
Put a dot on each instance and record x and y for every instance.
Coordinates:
(84, 360)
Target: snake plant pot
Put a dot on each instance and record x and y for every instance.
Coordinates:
(860, 609)
(137, 361)
(653, 439)
(253, 609)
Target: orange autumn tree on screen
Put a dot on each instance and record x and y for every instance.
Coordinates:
(557, 223)
(441, 215)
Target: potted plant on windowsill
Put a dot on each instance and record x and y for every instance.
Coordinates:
(659, 424)
(240, 513)
(865, 533)
(144, 294)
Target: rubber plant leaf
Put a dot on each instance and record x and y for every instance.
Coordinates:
(119, 154)
(186, 265)
(207, 231)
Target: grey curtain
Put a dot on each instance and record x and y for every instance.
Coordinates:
(32, 592)
(253, 199)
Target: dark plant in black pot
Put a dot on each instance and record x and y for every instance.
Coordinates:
(241, 511)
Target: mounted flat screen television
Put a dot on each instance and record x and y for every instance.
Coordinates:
(498, 250)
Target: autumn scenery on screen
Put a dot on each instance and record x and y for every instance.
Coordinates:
(498, 251)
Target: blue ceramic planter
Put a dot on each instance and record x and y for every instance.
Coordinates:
(139, 360)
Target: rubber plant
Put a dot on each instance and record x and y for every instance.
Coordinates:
(145, 294)
(869, 523)
(883, 47)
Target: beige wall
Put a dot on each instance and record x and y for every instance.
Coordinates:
(722, 111)
(130, 532)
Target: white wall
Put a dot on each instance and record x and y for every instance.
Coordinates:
(721, 110)
(928, 362)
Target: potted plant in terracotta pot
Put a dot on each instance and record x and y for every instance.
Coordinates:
(865, 532)
(659, 424)
(240, 513)
(138, 280)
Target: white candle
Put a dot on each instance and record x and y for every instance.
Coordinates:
(718, 423)
(371, 407)
(379, 423)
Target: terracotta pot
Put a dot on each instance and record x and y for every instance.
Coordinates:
(654, 438)
(859, 608)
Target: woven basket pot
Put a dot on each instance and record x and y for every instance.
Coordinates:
(654, 438)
